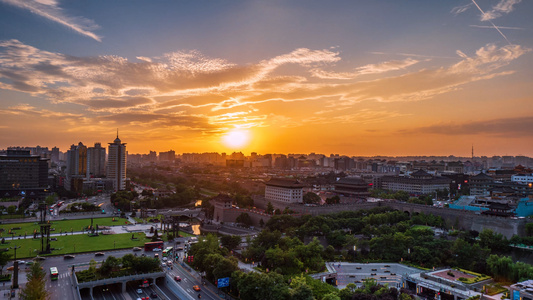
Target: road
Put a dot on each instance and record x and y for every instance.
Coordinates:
(63, 287)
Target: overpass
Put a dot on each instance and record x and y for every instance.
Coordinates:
(117, 281)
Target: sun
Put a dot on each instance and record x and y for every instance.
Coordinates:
(236, 138)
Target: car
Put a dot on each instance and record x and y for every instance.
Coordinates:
(99, 254)
(169, 263)
(139, 291)
(21, 262)
(165, 258)
(11, 268)
(157, 250)
(154, 296)
(177, 278)
(196, 288)
(39, 258)
(179, 249)
(137, 249)
(29, 263)
(68, 256)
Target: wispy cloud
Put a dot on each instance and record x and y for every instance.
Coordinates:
(518, 127)
(383, 67)
(461, 9)
(187, 90)
(503, 7)
(489, 16)
(50, 10)
(500, 27)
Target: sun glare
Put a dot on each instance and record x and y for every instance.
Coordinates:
(236, 138)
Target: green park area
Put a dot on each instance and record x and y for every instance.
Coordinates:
(76, 244)
(61, 226)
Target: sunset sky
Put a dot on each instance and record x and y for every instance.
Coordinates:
(348, 77)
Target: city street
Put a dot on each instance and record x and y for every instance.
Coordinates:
(63, 288)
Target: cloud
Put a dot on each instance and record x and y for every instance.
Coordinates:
(190, 90)
(503, 7)
(50, 10)
(383, 67)
(500, 27)
(519, 127)
(461, 9)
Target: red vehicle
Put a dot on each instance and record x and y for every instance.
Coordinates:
(177, 278)
(152, 245)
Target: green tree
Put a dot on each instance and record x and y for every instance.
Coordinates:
(244, 218)
(155, 237)
(50, 199)
(333, 200)
(259, 286)
(270, 208)
(230, 241)
(11, 209)
(4, 259)
(311, 198)
(529, 229)
(35, 287)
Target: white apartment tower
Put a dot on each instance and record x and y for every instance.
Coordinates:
(116, 164)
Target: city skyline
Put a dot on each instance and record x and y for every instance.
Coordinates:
(360, 79)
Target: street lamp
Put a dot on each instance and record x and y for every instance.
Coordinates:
(16, 268)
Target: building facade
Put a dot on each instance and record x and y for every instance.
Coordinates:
(22, 172)
(284, 190)
(419, 183)
(116, 164)
(96, 161)
(76, 167)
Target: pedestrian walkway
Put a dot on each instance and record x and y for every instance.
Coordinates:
(117, 229)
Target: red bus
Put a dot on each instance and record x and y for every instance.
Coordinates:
(152, 245)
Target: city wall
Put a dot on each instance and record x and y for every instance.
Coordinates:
(458, 219)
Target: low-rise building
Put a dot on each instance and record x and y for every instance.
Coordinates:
(284, 190)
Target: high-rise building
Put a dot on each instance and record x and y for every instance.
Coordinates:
(116, 164)
(76, 167)
(55, 155)
(96, 161)
(22, 173)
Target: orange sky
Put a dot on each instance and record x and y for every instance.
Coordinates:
(367, 79)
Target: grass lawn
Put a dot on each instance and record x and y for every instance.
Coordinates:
(76, 244)
(185, 234)
(60, 226)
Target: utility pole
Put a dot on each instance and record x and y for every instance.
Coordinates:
(16, 269)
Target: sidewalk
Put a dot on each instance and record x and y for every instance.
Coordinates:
(117, 229)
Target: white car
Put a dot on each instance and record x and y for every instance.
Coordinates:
(165, 258)
(139, 291)
(156, 250)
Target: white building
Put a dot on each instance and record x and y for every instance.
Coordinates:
(284, 190)
(116, 164)
(524, 179)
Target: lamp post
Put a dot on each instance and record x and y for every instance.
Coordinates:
(15, 268)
